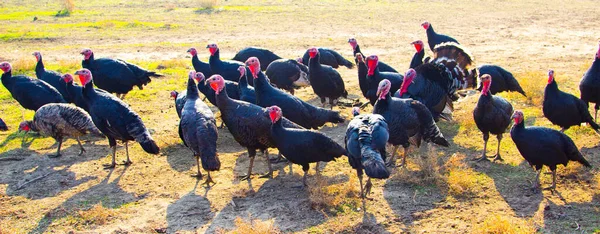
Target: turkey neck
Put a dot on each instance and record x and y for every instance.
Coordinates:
(551, 88)
(7, 79)
(357, 50)
(88, 63)
(430, 31)
(215, 58)
(88, 91)
(192, 90)
(260, 83)
(39, 67)
(32, 126)
(222, 99)
(314, 62)
(277, 129)
(519, 126)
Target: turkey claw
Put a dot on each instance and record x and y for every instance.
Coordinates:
(109, 166)
(208, 182)
(127, 163)
(480, 159)
(54, 155)
(498, 158)
(245, 177)
(82, 152)
(268, 175)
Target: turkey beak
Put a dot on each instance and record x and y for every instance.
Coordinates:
(189, 50)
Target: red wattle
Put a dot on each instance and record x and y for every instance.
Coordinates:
(550, 79)
(371, 64)
(212, 51)
(418, 47)
(82, 80)
(273, 116)
(312, 54)
(215, 87)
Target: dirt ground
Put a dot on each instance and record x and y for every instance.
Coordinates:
(440, 191)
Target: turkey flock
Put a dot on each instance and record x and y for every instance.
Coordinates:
(254, 93)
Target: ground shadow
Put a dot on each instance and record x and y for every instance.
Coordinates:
(36, 176)
(189, 212)
(580, 217)
(106, 193)
(279, 199)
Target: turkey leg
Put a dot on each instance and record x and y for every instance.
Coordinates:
(497, 157)
(82, 150)
(209, 180)
(486, 137)
(252, 154)
(362, 191)
(270, 174)
(114, 154)
(59, 140)
(392, 161)
(403, 158)
(553, 187)
(199, 174)
(128, 162)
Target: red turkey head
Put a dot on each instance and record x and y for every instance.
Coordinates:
(353, 42)
(418, 45)
(550, 76)
(275, 113)
(242, 71)
(425, 25)
(217, 83)
(37, 55)
(359, 58)
(486, 80)
(383, 88)
(192, 74)
(199, 77)
(312, 52)
(409, 78)
(192, 51)
(518, 117)
(85, 76)
(24, 126)
(67, 78)
(355, 111)
(254, 64)
(174, 94)
(5, 66)
(372, 62)
(212, 48)
(87, 53)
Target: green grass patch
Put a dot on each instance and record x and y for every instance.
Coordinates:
(24, 15)
(26, 35)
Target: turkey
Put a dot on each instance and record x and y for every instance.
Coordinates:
(417, 59)
(51, 77)
(328, 57)
(247, 123)
(298, 111)
(459, 61)
(406, 118)
(265, 56)
(492, 115)
(374, 76)
(325, 81)
(115, 119)
(590, 84)
(61, 120)
(115, 75)
(544, 146)
(564, 109)
(3, 126)
(366, 138)
(233, 90)
(227, 69)
(30, 93)
(356, 50)
(288, 74)
(199, 66)
(363, 83)
(180, 98)
(302, 146)
(247, 92)
(198, 130)
(502, 80)
(434, 38)
(75, 92)
(431, 84)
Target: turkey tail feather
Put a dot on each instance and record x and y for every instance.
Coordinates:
(454, 51)
(150, 146)
(371, 160)
(429, 129)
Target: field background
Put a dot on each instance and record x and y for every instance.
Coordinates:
(441, 190)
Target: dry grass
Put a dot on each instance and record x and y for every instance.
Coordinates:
(252, 226)
(497, 224)
(334, 198)
(207, 4)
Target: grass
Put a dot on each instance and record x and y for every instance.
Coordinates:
(334, 198)
(497, 224)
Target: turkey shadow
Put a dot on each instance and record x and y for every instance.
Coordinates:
(277, 199)
(521, 198)
(189, 212)
(179, 157)
(16, 136)
(369, 224)
(38, 176)
(580, 217)
(106, 193)
(260, 167)
(409, 200)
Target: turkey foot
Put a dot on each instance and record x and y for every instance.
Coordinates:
(81, 152)
(268, 175)
(54, 155)
(368, 187)
(496, 158)
(197, 176)
(482, 158)
(245, 177)
(127, 163)
(109, 166)
(209, 181)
